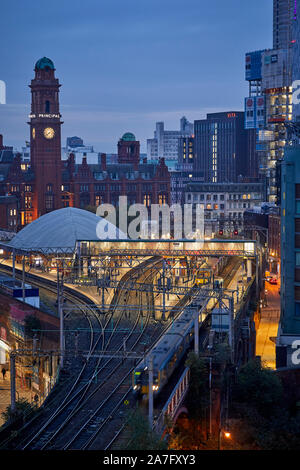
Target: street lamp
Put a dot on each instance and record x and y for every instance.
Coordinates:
(226, 434)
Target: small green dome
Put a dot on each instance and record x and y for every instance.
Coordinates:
(43, 63)
(128, 137)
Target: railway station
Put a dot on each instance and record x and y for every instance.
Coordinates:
(69, 236)
(137, 293)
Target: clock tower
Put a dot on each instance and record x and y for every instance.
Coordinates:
(45, 138)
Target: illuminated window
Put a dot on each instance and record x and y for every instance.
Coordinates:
(98, 200)
(162, 199)
(147, 200)
(28, 202)
(28, 217)
(244, 196)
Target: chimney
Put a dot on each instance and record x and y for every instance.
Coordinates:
(103, 161)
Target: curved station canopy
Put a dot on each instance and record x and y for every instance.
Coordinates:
(60, 231)
(63, 230)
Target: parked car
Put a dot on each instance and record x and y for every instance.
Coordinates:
(273, 280)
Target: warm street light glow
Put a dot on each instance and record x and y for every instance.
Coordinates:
(227, 435)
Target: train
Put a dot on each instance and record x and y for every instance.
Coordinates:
(202, 278)
(169, 350)
(166, 355)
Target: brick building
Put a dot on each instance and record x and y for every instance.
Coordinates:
(48, 183)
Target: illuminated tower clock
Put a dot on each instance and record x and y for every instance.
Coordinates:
(45, 138)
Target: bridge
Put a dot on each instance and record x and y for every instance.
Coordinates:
(173, 407)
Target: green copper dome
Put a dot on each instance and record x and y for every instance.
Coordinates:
(43, 63)
(128, 137)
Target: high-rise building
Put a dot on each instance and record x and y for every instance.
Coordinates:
(269, 73)
(289, 327)
(296, 61)
(185, 153)
(283, 14)
(221, 147)
(165, 143)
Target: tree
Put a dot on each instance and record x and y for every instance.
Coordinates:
(23, 408)
(198, 394)
(142, 437)
(259, 387)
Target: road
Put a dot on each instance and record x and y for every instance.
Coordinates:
(268, 327)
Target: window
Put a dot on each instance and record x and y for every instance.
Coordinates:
(28, 217)
(147, 200)
(98, 200)
(297, 292)
(28, 202)
(47, 107)
(49, 201)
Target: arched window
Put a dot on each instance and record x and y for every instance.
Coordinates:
(47, 106)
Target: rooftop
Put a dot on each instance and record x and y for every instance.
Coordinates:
(44, 63)
(60, 230)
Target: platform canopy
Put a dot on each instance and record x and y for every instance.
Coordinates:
(58, 231)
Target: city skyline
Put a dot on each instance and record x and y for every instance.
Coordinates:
(149, 72)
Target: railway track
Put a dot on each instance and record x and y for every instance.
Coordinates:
(81, 408)
(228, 272)
(79, 395)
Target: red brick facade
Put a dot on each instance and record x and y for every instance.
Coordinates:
(49, 183)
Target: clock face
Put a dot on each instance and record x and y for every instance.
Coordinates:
(49, 133)
(33, 133)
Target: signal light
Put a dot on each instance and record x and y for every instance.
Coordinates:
(221, 232)
(236, 232)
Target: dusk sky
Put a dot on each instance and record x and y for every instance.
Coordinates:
(124, 65)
